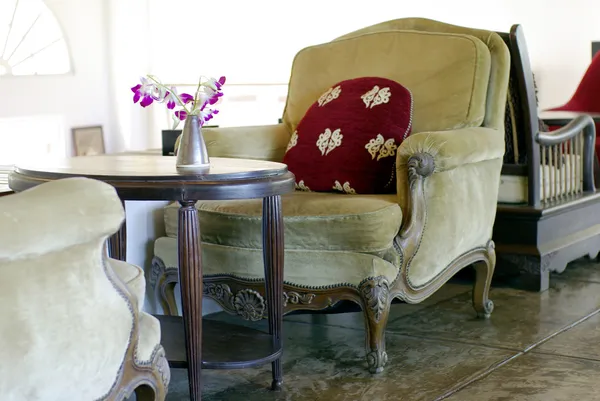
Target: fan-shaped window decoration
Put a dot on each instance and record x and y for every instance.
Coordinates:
(31, 41)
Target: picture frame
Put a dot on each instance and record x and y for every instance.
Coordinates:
(88, 141)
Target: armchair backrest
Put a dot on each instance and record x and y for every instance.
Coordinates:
(453, 72)
(64, 322)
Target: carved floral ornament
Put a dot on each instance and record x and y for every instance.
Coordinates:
(250, 304)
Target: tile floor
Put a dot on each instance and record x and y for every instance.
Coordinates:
(536, 346)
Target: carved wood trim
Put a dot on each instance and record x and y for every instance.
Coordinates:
(246, 297)
(163, 280)
(237, 296)
(149, 379)
(420, 166)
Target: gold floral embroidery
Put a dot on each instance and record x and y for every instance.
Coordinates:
(331, 94)
(388, 149)
(376, 96)
(384, 148)
(329, 140)
(300, 186)
(293, 141)
(368, 97)
(374, 145)
(383, 96)
(344, 188)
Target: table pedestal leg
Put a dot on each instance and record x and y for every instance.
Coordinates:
(272, 230)
(117, 244)
(190, 280)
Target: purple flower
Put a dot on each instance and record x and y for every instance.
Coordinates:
(143, 91)
(220, 82)
(170, 101)
(215, 98)
(137, 94)
(146, 101)
(170, 98)
(207, 115)
(186, 98)
(181, 114)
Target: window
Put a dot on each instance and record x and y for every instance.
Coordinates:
(31, 40)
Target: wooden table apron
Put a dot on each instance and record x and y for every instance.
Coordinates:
(269, 184)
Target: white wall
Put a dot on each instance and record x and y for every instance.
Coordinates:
(81, 97)
(113, 42)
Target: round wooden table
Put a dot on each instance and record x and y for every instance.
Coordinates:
(139, 178)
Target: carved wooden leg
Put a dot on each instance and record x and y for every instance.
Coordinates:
(166, 291)
(272, 230)
(484, 271)
(117, 244)
(163, 282)
(190, 278)
(146, 393)
(375, 294)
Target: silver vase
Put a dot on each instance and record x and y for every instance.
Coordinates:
(192, 156)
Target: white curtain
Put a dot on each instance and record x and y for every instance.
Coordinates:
(254, 43)
(129, 57)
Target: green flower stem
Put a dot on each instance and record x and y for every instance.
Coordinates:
(176, 96)
(197, 90)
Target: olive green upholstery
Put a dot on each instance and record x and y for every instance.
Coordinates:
(458, 77)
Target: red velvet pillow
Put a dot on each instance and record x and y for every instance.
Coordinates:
(348, 138)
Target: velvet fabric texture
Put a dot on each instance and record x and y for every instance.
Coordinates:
(312, 220)
(347, 140)
(66, 322)
(448, 74)
(459, 80)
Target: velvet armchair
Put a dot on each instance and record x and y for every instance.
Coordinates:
(370, 249)
(71, 324)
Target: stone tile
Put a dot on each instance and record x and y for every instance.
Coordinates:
(520, 318)
(582, 341)
(356, 320)
(327, 363)
(534, 377)
(582, 269)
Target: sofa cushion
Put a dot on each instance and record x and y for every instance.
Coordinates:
(314, 221)
(302, 267)
(347, 140)
(448, 74)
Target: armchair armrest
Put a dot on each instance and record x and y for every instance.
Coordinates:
(262, 142)
(448, 185)
(57, 215)
(61, 299)
(454, 148)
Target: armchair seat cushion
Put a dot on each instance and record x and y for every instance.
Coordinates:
(313, 221)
